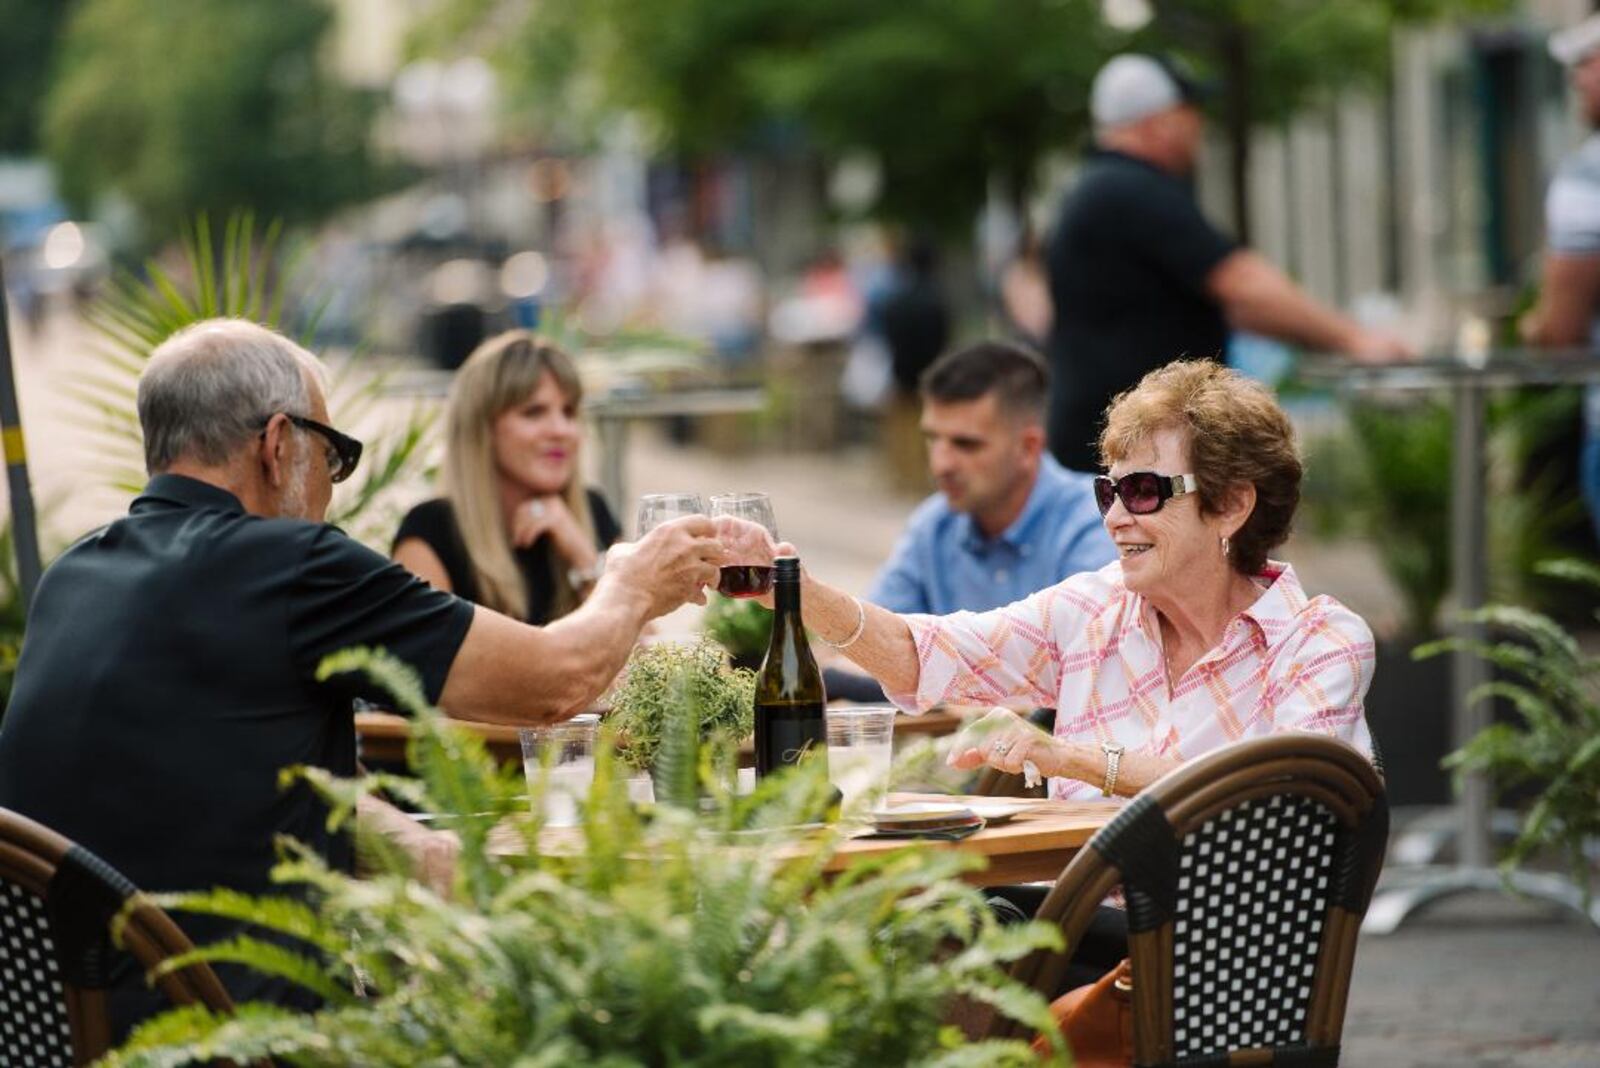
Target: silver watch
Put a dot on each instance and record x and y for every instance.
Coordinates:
(1113, 753)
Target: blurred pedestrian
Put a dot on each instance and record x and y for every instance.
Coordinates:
(1569, 299)
(516, 530)
(1139, 277)
(912, 317)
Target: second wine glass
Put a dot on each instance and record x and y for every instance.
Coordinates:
(748, 578)
(658, 508)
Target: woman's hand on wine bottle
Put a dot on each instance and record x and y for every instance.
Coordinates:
(672, 565)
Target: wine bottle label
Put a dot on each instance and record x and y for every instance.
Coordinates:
(787, 734)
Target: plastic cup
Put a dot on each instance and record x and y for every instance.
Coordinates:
(861, 753)
(568, 749)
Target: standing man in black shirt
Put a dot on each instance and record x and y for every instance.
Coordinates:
(1138, 276)
(168, 670)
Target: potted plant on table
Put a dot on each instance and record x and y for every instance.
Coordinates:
(662, 941)
(663, 679)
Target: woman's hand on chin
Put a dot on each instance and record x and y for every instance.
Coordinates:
(550, 515)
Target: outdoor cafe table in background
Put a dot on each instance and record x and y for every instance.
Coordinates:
(613, 414)
(1468, 381)
(1032, 846)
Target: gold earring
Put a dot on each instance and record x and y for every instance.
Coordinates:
(1224, 546)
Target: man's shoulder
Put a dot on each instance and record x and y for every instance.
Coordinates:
(1110, 178)
(930, 515)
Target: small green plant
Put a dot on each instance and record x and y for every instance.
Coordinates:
(667, 676)
(1554, 688)
(742, 627)
(668, 940)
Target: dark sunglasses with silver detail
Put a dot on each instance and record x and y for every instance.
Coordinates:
(1142, 492)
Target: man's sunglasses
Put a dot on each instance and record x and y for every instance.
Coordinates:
(1142, 492)
(344, 451)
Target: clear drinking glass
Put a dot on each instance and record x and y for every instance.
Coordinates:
(861, 753)
(658, 508)
(749, 579)
(568, 749)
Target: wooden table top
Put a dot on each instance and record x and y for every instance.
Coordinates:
(1032, 846)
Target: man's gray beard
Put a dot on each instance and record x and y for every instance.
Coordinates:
(294, 501)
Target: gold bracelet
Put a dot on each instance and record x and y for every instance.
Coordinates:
(855, 635)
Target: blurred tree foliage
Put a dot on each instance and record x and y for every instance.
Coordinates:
(191, 106)
(943, 93)
(27, 54)
(1270, 59)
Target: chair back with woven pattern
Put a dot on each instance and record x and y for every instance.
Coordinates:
(1246, 874)
(57, 902)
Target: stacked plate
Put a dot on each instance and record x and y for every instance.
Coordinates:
(926, 818)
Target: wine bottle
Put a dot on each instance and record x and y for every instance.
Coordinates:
(790, 724)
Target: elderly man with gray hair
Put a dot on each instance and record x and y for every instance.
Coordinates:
(169, 667)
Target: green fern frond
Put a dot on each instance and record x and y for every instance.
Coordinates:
(268, 958)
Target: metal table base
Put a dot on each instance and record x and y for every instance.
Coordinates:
(1410, 889)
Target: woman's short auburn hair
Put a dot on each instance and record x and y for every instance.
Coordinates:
(1237, 435)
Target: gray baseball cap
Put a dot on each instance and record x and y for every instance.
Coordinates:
(1133, 86)
(1575, 43)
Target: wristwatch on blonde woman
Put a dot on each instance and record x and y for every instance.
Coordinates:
(1113, 753)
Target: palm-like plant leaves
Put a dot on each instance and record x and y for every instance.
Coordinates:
(247, 275)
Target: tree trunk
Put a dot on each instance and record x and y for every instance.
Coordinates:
(1235, 54)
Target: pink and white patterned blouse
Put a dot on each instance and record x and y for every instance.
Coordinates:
(1093, 650)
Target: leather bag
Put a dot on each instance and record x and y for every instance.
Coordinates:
(1097, 1021)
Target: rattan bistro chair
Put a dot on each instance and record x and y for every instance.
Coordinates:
(1246, 873)
(57, 901)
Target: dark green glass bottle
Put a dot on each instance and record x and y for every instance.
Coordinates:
(790, 723)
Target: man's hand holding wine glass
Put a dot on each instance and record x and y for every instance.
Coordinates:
(670, 565)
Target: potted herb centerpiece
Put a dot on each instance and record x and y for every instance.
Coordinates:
(662, 679)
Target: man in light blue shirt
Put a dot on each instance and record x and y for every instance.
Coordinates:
(1008, 520)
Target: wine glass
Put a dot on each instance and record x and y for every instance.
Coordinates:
(746, 579)
(658, 508)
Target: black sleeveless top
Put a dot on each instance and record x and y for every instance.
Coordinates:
(434, 522)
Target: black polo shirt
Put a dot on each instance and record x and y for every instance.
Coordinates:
(1128, 262)
(168, 674)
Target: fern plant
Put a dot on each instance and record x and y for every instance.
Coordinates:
(667, 939)
(245, 275)
(1554, 687)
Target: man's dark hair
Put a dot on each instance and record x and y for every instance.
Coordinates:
(1018, 378)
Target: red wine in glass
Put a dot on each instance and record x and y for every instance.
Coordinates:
(745, 580)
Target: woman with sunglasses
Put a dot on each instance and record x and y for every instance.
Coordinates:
(516, 529)
(1191, 640)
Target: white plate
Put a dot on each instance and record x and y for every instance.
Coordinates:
(999, 809)
(921, 812)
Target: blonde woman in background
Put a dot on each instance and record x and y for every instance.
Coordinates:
(516, 529)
